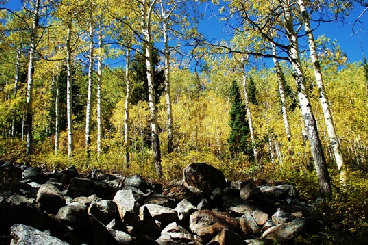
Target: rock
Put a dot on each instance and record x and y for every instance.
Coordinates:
(135, 181)
(184, 209)
(66, 175)
(228, 237)
(86, 201)
(120, 236)
(127, 205)
(23, 235)
(104, 211)
(242, 208)
(203, 178)
(10, 176)
(281, 217)
(205, 222)
(260, 217)
(34, 174)
(251, 223)
(165, 215)
(267, 225)
(279, 191)
(104, 190)
(204, 204)
(174, 234)
(18, 199)
(73, 214)
(49, 198)
(160, 200)
(179, 192)
(249, 191)
(285, 231)
(254, 242)
(80, 187)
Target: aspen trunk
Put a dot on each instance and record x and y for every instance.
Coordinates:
(29, 115)
(89, 93)
(249, 115)
(147, 18)
(170, 146)
(99, 78)
(127, 105)
(16, 81)
(334, 142)
(306, 109)
(57, 109)
(69, 90)
(280, 79)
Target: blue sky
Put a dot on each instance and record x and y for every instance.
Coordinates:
(354, 45)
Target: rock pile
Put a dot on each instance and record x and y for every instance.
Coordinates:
(66, 208)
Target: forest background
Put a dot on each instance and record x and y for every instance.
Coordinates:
(147, 87)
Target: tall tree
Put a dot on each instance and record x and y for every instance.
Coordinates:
(126, 110)
(32, 50)
(334, 142)
(69, 87)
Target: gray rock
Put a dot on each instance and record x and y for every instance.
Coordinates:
(18, 199)
(80, 187)
(281, 217)
(104, 211)
(127, 205)
(260, 217)
(203, 178)
(205, 222)
(174, 234)
(135, 181)
(74, 213)
(24, 235)
(165, 215)
(251, 223)
(184, 208)
(285, 231)
(279, 191)
(50, 198)
(204, 204)
(227, 236)
(160, 199)
(10, 176)
(120, 236)
(249, 191)
(34, 174)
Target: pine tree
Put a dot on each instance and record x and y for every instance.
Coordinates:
(252, 92)
(239, 134)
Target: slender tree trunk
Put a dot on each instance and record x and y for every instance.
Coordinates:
(89, 93)
(280, 79)
(29, 117)
(334, 142)
(170, 146)
(16, 81)
(249, 115)
(69, 89)
(57, 109)
(99, 78)
(271, 148)
(147, 18)
(306, 109)
(127, 105)
(23, 127)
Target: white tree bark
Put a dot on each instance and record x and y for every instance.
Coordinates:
(16, 81)
(334, 142)
(148, 6)
(305, 106)
(126, 112)
(29, 116)
(165, 16)
(99, 79)
(280, 79)
(89, 93)
(69, 89)
(249, 115)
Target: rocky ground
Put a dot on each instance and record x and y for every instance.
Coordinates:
(64, 207)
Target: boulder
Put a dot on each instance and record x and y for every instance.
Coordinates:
(121, 237)
(104, 190)
(73, 214)
(135, 181)
(260, 217)
(249, 191)
(184, 209)
(18, 200)
(80, 187)
(279, 191)
(127, 205)
(251, 223)
(281, 217)
(104, 211)
(206, 222)
(34, 174)
(285, 231)
(160, 199)
(49, 198)
(179, 192)
(174, 234)
(23, 235)
(165, 215)
(203, 178)
(228, 237)
(10, 176)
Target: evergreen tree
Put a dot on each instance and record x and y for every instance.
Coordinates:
(239, 134)
(252, 92)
